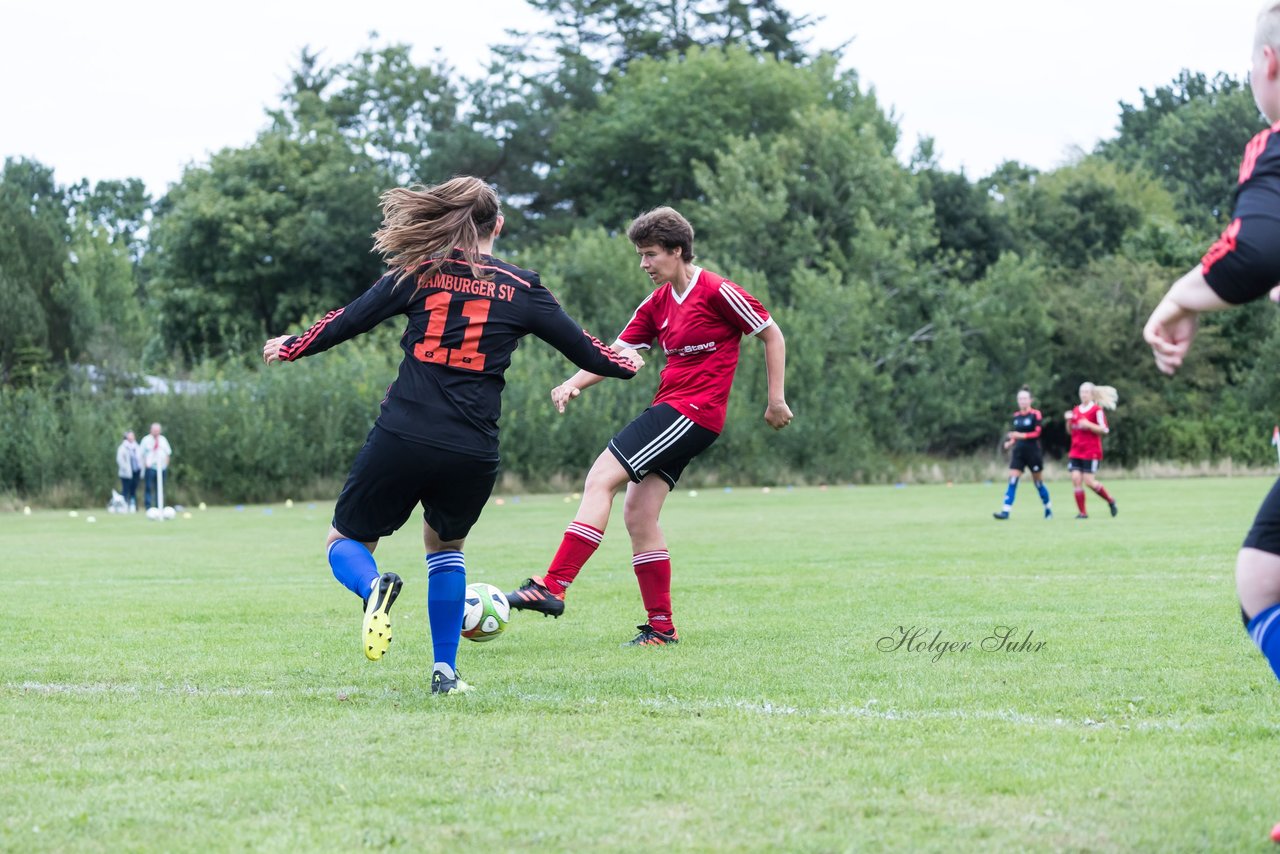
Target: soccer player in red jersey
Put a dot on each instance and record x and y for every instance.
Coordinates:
(435, 443)
(1088, 424)
(699, 319)
(1243, 265)
(1024, 438)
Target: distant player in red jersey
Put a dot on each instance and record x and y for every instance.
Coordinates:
(1024, 438)
(1242, 266)
(699, 319)
(435, 443)
(1088, 424)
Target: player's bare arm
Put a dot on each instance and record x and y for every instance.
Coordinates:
(574, 386)
(777, 414)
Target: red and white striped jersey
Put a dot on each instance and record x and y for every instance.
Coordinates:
(699, 332)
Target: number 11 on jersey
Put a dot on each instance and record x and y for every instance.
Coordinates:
(468, 356)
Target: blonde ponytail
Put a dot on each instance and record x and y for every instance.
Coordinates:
(1105, 396)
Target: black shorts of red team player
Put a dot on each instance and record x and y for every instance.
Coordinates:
(1265, 533)
(660, 441)
(1082, 465)
(391, 476)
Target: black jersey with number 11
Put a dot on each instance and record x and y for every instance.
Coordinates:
(459, 339)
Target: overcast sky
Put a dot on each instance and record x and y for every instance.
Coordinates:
(117, 90)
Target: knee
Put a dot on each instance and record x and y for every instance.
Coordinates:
(639, 520)
(333, 537)
(604, 480)
(1257, 580)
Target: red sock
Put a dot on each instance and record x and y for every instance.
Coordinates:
(579, 544)
(1080, 501)
(1102, 492)
(653, 571)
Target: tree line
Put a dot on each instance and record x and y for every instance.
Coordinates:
(915, 300)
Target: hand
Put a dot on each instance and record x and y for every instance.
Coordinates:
(1008, 444)
(778, 415)
(1170, 331)
(271, 350)
(632, 356)
(562, 394)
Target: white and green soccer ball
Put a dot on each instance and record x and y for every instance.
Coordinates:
(485, 612)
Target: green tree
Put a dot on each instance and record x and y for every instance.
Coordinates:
(98, 295)
(262, 237)
(120, 209)
(829, 192)
(639, 146)
(970, 234)
(34, 231)
(622, 31)
(414, 121)
(1191, 134)
(1081, 211)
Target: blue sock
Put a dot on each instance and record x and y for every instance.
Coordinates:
(1009, 493)
(353, 566)
(1265, 631)
(1044, 492)
(446, 587)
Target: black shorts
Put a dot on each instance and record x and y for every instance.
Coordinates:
(1026, 456)
(392, 475)
(660, 441)
(1265, 533)
(1086, 466)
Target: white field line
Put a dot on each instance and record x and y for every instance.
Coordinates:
(868, 711)
(107, 688)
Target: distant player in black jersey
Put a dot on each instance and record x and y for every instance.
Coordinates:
(1024, 438)
(1242, 266)
(436, 441)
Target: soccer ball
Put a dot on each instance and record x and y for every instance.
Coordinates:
(153, 513)
(170, 513)
(485, 612)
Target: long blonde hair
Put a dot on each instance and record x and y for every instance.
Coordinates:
(422, 225)
(1104, 395)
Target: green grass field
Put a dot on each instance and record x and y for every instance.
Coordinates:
(198, 685)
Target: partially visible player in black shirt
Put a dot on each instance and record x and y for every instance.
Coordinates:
(1243, 265)
(435, 443)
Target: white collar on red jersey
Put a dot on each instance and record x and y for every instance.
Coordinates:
(680, 298)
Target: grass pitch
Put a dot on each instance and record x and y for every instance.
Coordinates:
(198, 684)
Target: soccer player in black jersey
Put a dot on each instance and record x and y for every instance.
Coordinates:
(1024, 438)
(435, 442)
(1242, 266)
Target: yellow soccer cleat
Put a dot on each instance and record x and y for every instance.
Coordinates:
(375, 631)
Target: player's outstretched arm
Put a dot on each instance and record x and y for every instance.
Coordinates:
(576, 384)
(383, 300)
(777, 414)
(1171, 329)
